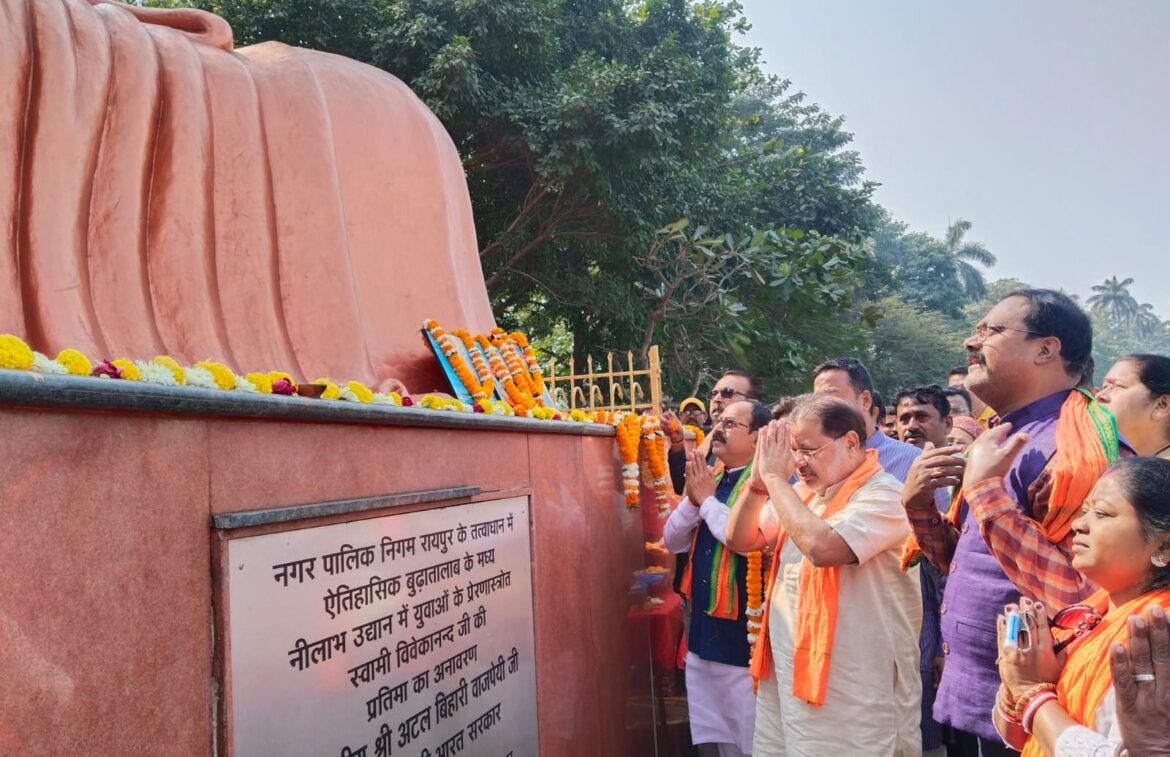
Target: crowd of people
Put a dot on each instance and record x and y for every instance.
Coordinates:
(976, 569)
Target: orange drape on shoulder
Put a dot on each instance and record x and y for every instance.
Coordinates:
(1086, 677)
(1086, 443)
(817, 603)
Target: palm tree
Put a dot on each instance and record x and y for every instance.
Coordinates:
(964, 253)
(1145, 321)
(1114, 300)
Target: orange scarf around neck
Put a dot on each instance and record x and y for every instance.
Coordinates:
(816, 604)
(1086, 677)
(1086, 443)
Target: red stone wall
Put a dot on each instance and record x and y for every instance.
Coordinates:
(106, 602)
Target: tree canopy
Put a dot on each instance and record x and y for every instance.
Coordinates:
(637, 179)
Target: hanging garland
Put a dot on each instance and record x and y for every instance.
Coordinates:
(652, 440)
(755, 595)
(627, 431)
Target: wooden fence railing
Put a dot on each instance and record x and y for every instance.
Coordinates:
(610, 389)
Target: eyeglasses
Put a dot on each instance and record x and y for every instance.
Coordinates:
(730, 423)
(726, 393)
(806, 455)
(1080, 619)
(984, 330)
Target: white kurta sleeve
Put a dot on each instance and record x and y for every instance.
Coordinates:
(1080, 741)
(873, 521)
(677, 532)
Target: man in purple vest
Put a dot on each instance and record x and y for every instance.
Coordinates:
(1024, 358)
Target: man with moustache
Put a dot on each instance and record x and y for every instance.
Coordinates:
(923, 417)
(732, 386)
(1025, 358)
(721, 701)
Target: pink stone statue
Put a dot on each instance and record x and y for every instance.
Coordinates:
(272, 208)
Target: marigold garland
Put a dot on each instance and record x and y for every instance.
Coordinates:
(75, 363)
(224, 378)
(627, 430)
(261, 381)
(447, 346)
(176, 369)
(698, 432)
(652, 439)
(520, 400)
(165, 370)
(482, 373)
(14, 353)
(536, 377)
(356, 391)
(127, 369)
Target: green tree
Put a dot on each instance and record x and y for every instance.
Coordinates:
(924, 273)
(1112, 298)
(965, 253)
(914, 346)
(586, 127)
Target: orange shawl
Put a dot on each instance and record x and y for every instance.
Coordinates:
(1086, 443)
(1086, 677)
(817, 603)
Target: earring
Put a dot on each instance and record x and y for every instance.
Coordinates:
(1159, 561)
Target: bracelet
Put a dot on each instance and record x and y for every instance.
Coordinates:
(758, 489)
(1034, 706)
(1006, 707)
(1024, 700)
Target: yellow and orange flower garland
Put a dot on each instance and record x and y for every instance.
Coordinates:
(482, 372)
(480, 391)
(653, 442)
(755, 595)
(627, 429)
(631, 430)
(698, 432)
(535, 377)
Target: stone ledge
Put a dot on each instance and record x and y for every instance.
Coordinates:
(32, 389)
(269, 515)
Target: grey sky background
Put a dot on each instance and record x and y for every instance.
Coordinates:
(1045, 123)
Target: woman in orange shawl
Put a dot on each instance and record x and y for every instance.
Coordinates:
(1057, 694)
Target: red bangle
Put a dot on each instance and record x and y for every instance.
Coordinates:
(1006, 709)
(758, 489)
(1034, 706)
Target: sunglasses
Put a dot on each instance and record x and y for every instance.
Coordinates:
(1079, 619)
(726, 393)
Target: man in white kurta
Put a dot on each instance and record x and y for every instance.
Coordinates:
(867, 684)
(720, 700)
(872, 697)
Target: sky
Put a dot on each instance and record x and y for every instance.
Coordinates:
(1045, 123)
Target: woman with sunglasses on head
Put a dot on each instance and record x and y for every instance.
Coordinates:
(1137, 392)
(1056, 696)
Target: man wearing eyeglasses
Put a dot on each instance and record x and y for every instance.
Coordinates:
(1025, 358)
(732, 386)
(838, 657)
(720, 698)
(849, 379)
